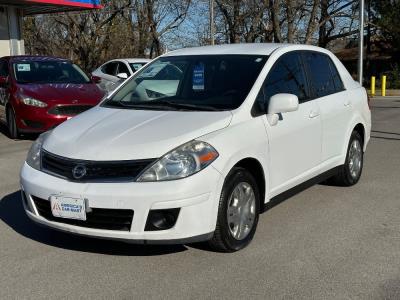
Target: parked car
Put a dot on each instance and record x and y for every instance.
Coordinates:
(194, 145)
(38, 93)
(111, 74)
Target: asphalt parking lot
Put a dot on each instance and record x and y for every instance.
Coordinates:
(323, 243)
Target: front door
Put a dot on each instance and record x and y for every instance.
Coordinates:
(109, 77)
(295, 141)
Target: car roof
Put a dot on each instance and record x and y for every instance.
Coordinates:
(242, 49)
(250, 48)
(136, 60)
(130, 60)
(34, 58)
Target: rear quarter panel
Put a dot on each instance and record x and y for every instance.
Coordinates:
(359, 102)
(361, 114)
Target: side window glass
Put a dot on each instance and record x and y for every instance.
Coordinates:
(137, 66)
(122, 68)
(322, 83)
(337, 80)
(110, 68)
(286, 76)
(3, 68)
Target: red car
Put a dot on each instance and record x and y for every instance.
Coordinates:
(38, 93)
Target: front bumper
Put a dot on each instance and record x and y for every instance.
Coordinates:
(36, 119)
(197, 197)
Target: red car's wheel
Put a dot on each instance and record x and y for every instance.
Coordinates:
(12, 124)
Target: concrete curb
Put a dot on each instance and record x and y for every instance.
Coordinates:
(388, 93)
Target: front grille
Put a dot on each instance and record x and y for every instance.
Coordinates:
(68, 110)
(114, 171)
(98, 218)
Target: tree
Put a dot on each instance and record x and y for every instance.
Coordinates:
(302, 21)
(146, 28)
(386, 22)
(337, 20)
(125, 28)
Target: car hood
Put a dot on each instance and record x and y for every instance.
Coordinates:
(124, 134)
(61, 93)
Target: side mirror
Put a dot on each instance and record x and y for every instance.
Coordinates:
(3, 79)
(96, 79)
(281, 103)
(122, 75)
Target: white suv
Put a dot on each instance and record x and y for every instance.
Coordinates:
(194, 145)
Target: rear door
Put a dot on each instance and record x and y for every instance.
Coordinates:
(334, 103)
(295, 142)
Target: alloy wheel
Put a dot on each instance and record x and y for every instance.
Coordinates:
(241, 211)
(355, 158)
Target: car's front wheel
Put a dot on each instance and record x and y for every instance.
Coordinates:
(350, 173)
(238, 212)
(12, 124)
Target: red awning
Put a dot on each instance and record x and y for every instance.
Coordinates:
(31, 7)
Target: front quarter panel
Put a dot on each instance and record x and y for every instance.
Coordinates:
(247, 139)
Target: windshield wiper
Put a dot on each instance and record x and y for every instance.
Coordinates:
(120, 104)
(186, 105)
(162, 104)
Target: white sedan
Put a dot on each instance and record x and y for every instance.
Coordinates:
(195, 144)
(109, 75)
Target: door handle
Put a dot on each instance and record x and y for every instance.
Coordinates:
(346, 103)
(313, 114)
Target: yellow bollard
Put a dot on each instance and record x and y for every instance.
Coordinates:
(373, 86)
(383, 86)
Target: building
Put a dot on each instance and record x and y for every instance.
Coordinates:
(12, 11)
(380, 59)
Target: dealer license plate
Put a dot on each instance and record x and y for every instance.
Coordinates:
(68, 208)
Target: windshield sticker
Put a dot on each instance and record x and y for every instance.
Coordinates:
(23, 67)
(198, 77)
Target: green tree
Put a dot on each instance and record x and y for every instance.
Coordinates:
(386, 20)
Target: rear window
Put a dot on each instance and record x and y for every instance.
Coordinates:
(49, 72)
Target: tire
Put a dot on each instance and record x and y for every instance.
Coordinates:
(12, 124)
(237, 219)
(349, 173)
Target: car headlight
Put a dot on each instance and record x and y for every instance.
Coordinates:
(32, 101)
(34, 154)
(181, 162)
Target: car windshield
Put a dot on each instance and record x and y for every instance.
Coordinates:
(206, 82)
(49, 72)
(137, 66)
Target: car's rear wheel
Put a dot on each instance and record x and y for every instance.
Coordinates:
(12, 124)
(350, 173)
(238, 212)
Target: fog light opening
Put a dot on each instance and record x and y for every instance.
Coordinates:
(25, 201)
(33, 124)
(162, 219)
